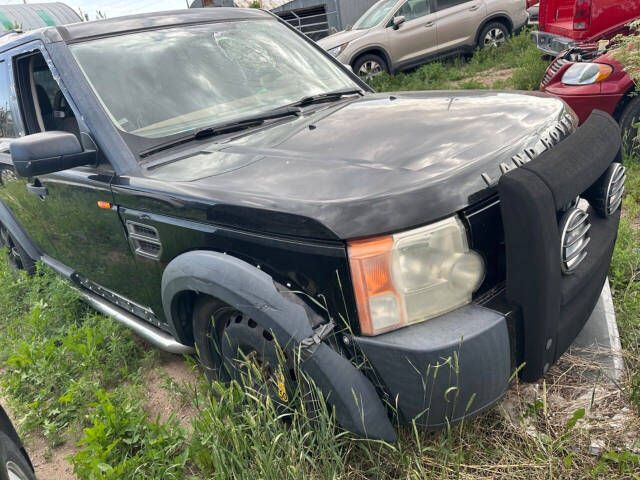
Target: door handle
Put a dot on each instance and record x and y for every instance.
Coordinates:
(428, 25)
(474, 8)
(40, 191)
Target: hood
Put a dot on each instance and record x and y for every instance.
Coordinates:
(340, 38)
(377, 164)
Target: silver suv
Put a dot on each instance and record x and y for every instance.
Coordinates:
(397, 34)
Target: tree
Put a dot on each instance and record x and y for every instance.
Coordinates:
(627, 51)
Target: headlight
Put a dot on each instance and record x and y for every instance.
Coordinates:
(586, 73)
(413, 276)
(335, 51)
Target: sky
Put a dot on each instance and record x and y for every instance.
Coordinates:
(114, 8)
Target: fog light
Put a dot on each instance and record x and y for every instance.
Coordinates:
(608, 192)
(574, 238)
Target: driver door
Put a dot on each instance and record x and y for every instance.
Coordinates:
(61, 211)
(416, 38)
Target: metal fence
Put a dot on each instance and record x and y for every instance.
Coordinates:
(319, 18)
(312, 21)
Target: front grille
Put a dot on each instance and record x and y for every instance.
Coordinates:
(553, 69)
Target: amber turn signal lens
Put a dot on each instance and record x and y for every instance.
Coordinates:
(604, 72)
(370, 262)
(104, 205)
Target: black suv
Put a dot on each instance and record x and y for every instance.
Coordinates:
(218, 183)
(14, 460)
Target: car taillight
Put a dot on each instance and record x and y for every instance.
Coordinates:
(582, 15)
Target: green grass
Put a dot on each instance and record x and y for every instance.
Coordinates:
(76, 377)
(625, 279)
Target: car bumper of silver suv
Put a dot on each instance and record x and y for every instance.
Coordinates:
(550, 43)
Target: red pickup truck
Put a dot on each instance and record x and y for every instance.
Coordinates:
(564, 23)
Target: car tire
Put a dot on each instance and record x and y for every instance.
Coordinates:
(13, 464)
(228, 342)
(17, 257)
(494, 34)
(369, 66)
(631, 115)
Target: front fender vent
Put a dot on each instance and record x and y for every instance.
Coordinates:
(145, 240)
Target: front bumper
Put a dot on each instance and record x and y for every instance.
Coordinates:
(550, 43)
(443, 370)
(459, 364)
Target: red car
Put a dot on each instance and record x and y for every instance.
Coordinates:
(587, 78)
(564, 23)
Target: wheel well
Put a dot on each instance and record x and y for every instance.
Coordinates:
(503, 19)
(373, 51)
(182, 315)
(624, 101)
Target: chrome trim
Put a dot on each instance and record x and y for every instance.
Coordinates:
(136, 238)
(615, 188)
(574, 238)
(546, 140)
(151, 334)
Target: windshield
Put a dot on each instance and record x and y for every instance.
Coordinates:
(160, 83)
(374, 15)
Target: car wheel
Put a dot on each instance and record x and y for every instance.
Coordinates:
(493, 35)
(628, 124)
(16, 256)
(232, 346)
(13, 465)
(369, 66)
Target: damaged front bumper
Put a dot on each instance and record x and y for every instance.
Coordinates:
(550, 43)
(443, 370)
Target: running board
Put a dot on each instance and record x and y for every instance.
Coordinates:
(151, 334)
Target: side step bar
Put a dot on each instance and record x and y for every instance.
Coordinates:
(151, 334)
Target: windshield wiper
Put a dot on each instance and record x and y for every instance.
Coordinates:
(326, 97)
(215, 130)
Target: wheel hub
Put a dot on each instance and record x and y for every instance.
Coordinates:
(15, 472)
(369, 69)
(246, 346)
(494, 38)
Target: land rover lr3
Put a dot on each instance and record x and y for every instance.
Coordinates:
(218, 183)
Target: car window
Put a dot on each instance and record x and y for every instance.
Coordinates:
(6, 117)
(159, 83)
(375, 14)
(44, 106)
(414, 9)
(442, 4)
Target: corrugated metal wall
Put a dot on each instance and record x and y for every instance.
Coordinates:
(352, 10)
(339, 13)
(36, 15)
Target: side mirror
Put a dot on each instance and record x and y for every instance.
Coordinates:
(397, 21)
(49, 152)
